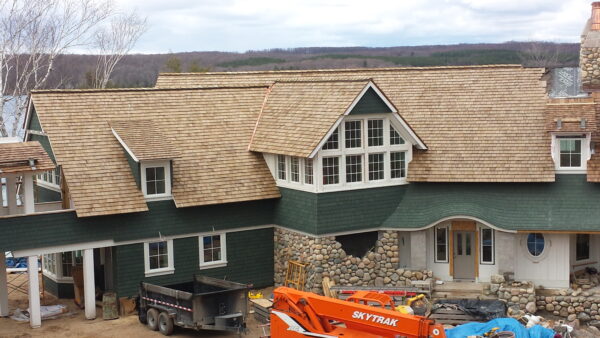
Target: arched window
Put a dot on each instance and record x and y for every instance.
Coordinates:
(535, 244)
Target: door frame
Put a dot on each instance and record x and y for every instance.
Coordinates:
(470, 226)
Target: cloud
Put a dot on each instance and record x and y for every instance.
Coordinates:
(239, 25)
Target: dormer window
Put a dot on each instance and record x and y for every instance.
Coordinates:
(156, 179)
(571, 153)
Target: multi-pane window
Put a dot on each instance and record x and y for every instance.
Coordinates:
(354, 168)
(395, 138)
(353, 134)
(331, 170)
(570, 153)
(51, 178)
(398, 164)
(49, 263)
(441, 244)
(212, 250)
(535, 244)
(333, 141)
(295, 169)
(155, 180)
(376, 165)
(487, 246)
(308, 171)
(158, 254)
(582, 247)
(67, 264)
(375, 133)
(281, 167)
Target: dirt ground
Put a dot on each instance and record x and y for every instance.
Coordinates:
(74, 323)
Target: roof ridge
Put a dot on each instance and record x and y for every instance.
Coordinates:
(144, 89)
(322, 80)
(333, 70)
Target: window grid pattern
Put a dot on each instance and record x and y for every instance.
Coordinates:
(395, 138)
(487, 246)
(308, 171)
(354, 168)
(49, 263)
(398, 164)
(331, 170)
(441, 245)
(211, 248)
(281, 167)
(375, 133)
(159, 255)
(353, 134)
(535, 244)
(570, 153)
(155, 180)
(295, 169)
(376, 167)
(333, 141)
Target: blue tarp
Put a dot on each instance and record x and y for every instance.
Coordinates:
(505, 324)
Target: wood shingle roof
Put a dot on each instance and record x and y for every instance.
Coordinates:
(14, 157)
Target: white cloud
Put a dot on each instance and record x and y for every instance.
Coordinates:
(239, 25)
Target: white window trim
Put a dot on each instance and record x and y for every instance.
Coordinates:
(170, 269)
(151, 164)
(51, 185)
(435, 258)
(215, 264)
(545, 252)
(481, 261)
(586, 153)
(58, 277)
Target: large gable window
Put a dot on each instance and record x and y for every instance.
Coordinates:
(375, 133)
(398, 164)
(333, 141)
(395, 138)
(353, 134)
(376, 171)
(331, 170)
(156, 179)
(354, 168)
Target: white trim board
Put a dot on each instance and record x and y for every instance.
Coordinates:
(124, 145)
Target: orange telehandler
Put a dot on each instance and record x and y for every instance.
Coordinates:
(304, 314)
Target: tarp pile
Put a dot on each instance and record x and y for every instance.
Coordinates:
(503, 324)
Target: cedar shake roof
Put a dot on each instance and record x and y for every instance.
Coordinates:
(480, 123)
(571, 112)
(144, 139)
(211, 128)
(296, 116)
(14, 158)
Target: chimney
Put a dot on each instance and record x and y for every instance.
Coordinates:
(589, 52)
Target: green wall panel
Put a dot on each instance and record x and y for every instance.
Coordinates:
(135, 168)
(34, 124)
(249, 261)
(60, 290)
(370, 103)
(297, 210)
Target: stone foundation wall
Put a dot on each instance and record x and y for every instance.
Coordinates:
(519, 296)
(326, 258)
(571, 305)
(589, 62)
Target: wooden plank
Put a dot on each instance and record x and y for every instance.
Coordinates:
(451, 251)
(463, 226)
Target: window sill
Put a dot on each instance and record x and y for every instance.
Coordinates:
(160, 272)
(571, 171)
(212, 265)
(158, 198)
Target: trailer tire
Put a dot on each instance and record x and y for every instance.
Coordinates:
(165, 324)
(152, 319)
(142, 316)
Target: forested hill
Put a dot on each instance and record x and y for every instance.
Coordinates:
(141, 70)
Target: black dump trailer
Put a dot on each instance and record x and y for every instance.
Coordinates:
(203, 304)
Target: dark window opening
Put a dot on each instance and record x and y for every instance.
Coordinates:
(358, 245)
(582, 247)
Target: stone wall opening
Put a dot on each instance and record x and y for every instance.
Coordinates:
(358, 245)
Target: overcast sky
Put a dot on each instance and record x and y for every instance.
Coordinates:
(240, 25)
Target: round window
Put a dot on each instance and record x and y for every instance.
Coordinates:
(535, 244)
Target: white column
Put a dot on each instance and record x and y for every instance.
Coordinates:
(3, 286)
(29, 203)
(35, 315)
(89, 288)
(11, 194)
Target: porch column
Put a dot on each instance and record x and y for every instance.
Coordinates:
(89, 288)
(11, 194)
(28, 203)
(3, 286)
(35, 315)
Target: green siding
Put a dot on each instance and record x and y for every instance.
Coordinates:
(60, 290)
(50, 285)
(44, 230)
(135, 168)
(46, 195)
(34, 124)
(249, 261)
(297, 210)
(370, 103)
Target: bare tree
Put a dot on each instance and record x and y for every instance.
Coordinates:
(540, 54)
(32, 35)
(114, 42)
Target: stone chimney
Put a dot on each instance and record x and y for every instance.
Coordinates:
(589, 52)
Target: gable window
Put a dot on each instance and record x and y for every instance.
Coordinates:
(50, 179)
(441, 245)
(376, 171)
(213, 251)
(570, 153)
(354, 168)
(353, 135)
(535, 244)
(281, 170)
(49, 264)
(308, 171)
(331, 170)
(582, 247)
(333, 141)
(295, 169)
(395, 138)
(398, 164)
(158, 258)
(156, 179)
(375, 133)
(487, 246)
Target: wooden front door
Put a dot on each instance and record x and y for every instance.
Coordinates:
(464, 254)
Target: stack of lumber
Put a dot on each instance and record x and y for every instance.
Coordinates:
(262, 309)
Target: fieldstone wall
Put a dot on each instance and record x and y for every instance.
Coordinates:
(571, 305)
(519, 296)
(589, 62)
(326, 258)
